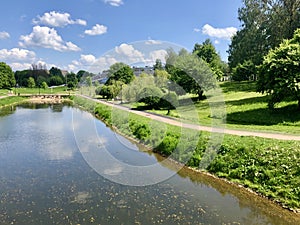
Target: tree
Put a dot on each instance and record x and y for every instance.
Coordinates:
(7, 77)
(44, 85)
(279, 75)
(55, 72)
(265, 23)
(120, 72)
(245, 71)
(190, 72)
(169, 101)
(151, 96)
(158, 65)
(208, 53)
(30, 82)
(161, 78)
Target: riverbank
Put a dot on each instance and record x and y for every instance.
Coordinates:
(13, 100)
(267, 167)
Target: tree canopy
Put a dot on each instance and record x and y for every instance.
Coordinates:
(265, 23)
(279, 74)
(7, 77)
(120, 72)
(189, 72)
(208, 53)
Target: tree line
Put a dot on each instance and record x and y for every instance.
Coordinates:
(38, 77)
(267, 48)
(184, 73)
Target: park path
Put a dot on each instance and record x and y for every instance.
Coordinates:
(171, 121)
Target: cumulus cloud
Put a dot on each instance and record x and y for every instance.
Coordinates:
(17, 54)
(97, 30)
(222, 33)
(19, 66)
(116, 3)
(158, 54)
(129, 53)
(4, 35)
(88, 59)
(46, 37)
(56, 19)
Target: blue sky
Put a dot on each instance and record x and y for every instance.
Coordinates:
(93, 34)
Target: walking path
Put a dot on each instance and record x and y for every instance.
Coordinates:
(171, 121)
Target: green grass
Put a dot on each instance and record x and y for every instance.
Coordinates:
(269, 167)
(11, 100)
(245, 109)
(57, 90)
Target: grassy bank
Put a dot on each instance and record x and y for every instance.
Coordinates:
(268, 167)
(11, 100)
(245, 110)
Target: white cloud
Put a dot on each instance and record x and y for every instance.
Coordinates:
(17, 54)
(222, 33)
(153, 42)
(116, 3)
(97, 30)
(46, 37)
(4, 35)
(57, 19)
(158, 54)
(88, 59)
(197, 30)
(129, 53)
(20, 66)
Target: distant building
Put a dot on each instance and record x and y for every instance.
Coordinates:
(139, 70)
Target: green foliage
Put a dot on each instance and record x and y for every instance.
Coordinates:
(55, 81)
(208, 53)
(169, 101)
(161, 78)
(190, 72)
(7, 78)
(140, 130)
(267, 166)
(158, 65)
(55, 72)
(30, 82)
(279, 74)
(10, 100)
(245, 71)
(151, 96)
(120, 72)
(44, 85)
(265, 23)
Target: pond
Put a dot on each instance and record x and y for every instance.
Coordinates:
(47, 178)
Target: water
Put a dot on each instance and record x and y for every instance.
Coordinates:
(45, 179)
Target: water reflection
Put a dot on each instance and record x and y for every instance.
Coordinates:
(45, 180)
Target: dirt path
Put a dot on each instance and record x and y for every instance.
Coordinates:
(171, 121)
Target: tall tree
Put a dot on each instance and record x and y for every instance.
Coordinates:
(265, 23)
(190, 72)
(208, 53)
(120, 72)
(279, 75)
(7, 77)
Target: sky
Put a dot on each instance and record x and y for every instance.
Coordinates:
(93, 34)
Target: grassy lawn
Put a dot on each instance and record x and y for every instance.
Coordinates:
(245, 109)
(56, 90)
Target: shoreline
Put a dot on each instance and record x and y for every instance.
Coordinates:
(176, 163)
